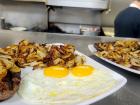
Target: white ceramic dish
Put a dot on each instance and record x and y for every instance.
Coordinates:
(18, 29)
(93, 50)
(120, 82)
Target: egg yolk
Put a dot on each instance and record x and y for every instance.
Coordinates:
(56, 71)
(82, 71)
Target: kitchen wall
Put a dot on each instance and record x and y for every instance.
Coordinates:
(72, 19)
(30, 14)
(24, 14)
(116, 6)
(76, 16)
(35, 14)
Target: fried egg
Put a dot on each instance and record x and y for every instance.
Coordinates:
(59, 86)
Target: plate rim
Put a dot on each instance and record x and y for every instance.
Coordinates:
(92, 49)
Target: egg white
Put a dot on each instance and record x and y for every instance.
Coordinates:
(36, 88)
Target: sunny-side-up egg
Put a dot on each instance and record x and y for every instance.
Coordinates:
(59, 86)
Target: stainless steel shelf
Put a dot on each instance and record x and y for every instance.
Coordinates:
(45, 1)
(94, 4)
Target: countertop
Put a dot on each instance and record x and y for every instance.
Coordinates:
(128, 95)
(109, 31)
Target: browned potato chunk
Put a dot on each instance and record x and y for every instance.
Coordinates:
(7, 63)
(3, 72)
(15, 69)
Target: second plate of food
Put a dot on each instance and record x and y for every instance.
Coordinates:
(121, 53)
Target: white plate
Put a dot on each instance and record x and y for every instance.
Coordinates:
(18, 29)
(120, 82)
(93, 50)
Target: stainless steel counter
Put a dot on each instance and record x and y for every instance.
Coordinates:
(128, 95)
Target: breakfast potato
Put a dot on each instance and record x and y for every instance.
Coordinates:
(3, 72)
(123, 52)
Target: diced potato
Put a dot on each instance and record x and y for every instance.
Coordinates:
(7, 63)
(15, 69)
(3, 72)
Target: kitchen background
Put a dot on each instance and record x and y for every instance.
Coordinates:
(34, 16)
